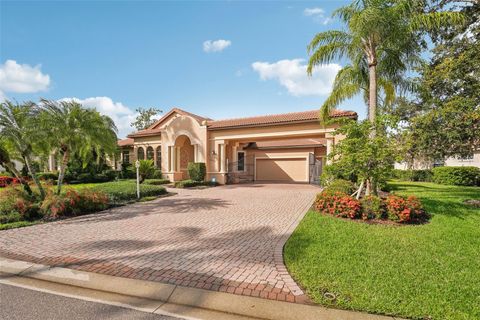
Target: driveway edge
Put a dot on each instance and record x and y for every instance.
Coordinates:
(174, 294)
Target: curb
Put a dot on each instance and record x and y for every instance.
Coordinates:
(191, 297)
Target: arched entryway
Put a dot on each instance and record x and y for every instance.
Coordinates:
(185, 154)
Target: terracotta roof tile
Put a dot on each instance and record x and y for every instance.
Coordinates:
(311, 115)
(288, 143)
(125, 142)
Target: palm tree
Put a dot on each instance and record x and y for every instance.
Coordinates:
(17, 127)
(383, 40)
(75, 130)
(7, 163)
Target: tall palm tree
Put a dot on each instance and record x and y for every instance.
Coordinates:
(17, 127)
(383, 40)
(75, 130)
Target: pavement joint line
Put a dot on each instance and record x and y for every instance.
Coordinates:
(190, 297)
(166, 301)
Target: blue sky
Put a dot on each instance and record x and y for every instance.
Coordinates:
(118, 56)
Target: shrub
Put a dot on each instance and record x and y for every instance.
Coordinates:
(54, 206)
(157, 182)
(340, 185)
(197, 171)
(406, 210)
(121, 191)
(14, 201)
(190, 183)
(373, 207)
(73, 203)
(157, 174)
(413, 175)
(47, 176)
(11, 217)
(460, 176)
(128, 171)
(338, 204)
(146, 169)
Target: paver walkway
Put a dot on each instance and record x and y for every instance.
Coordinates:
(227, 239)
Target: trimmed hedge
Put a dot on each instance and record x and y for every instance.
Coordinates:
(47, 176)
(340, 185)
(459, 176)
(425, 175)
(121, 191)
(191, 183)
(197, 171)
(156, 182)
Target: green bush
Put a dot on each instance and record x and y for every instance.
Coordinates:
(460, 176)
(190, 183)
(47, 176)
(197, 171)
(425, 175)
(11, 217)
(373, 207)
(331, 172)
(340, 185)
(157, 182)
(121, 191)
(146, 170)
(157, 174)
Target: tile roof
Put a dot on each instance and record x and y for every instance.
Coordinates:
(125, 142)
(302, 116)
(288, 143)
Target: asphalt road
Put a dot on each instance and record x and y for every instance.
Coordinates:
(23, 304)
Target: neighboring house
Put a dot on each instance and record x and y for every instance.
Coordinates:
(473, 161)
(285, 147)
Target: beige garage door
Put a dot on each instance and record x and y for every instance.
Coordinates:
(288, 169)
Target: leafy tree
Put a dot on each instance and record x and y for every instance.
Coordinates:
(18, 129)
(383, 40)
(443, 118)
(75, 131)
(146, 117)
(7, 163)
(362, 157)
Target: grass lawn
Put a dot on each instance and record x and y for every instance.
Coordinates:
(417, 271)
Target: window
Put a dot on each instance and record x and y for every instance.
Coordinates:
(140, 154)
(150, 153)
(126, 157)
(159, 157)
(240, 161)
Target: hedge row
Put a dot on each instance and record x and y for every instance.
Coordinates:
(121, 191)
(460, 176)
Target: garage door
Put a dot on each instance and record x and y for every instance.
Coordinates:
(288, 169)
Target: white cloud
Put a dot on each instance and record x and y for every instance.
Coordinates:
(120, 114)
(292, 74)
(22, 78)
(318, 15)
(216, 45)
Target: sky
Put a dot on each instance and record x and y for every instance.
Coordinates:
(219, 59)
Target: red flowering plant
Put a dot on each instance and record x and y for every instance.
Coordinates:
(405, 210)
(338, 204)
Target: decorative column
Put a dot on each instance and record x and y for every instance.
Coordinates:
(222, 158)
(172, 158)
(195, 153)
(329, 149)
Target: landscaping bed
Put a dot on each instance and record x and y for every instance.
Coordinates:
(18, 209)
(428, 271)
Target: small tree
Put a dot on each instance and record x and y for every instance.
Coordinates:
(146, 117)
(197, 171)
(370, 160)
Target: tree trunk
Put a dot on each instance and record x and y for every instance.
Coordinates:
(368, 187)
(360, 189)
(372, 97)
(33, 173)
(63, 166)
(10, 166)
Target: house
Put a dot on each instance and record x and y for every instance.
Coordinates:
(473, 161)
(290, 147)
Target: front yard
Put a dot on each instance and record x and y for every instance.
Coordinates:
(429, 271)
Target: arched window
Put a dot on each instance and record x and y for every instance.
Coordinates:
(140, 154)
(159, 157)
(150, 153)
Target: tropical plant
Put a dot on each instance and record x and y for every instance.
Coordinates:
(75, 131)
(382, 41)
(7, 163)
(18, 130)
(146, 169)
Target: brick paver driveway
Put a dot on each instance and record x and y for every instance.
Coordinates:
(226, 238)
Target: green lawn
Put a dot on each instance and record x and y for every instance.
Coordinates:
(423, 271)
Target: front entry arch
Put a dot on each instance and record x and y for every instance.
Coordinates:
(185, 152)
